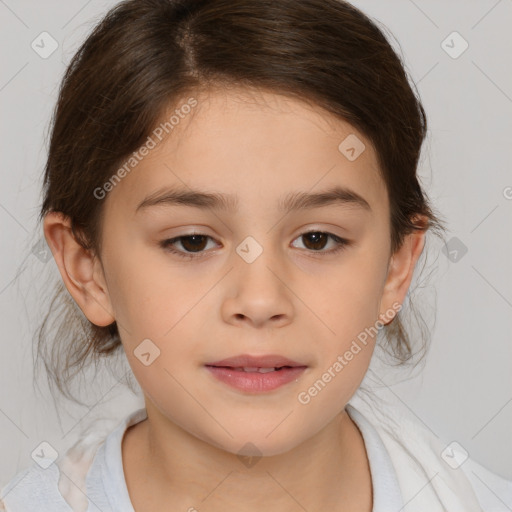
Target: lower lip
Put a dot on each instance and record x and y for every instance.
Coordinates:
(255, 381)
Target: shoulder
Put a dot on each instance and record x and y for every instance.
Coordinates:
(33, 488)
(59, 486)
(63, 486)
(492, 490)
(445, 473)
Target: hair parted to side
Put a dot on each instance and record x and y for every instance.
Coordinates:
(146, 55)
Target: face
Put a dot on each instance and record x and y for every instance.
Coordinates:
(262, 274)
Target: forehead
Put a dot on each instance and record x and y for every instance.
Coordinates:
(253, 144)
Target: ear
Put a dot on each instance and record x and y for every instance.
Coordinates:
(400, 272)
(80, 270)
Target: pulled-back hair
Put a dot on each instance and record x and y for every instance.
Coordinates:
(147, 55)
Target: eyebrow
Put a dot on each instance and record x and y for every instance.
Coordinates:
(228, 202)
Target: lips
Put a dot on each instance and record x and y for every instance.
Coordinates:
(249, 363)
(256, 374)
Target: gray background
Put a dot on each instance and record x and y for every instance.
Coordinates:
(465, 390)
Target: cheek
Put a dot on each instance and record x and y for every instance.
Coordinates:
(350, 295)
(148, 294)
(166, 309)
(348, 306)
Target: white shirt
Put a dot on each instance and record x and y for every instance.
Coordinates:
(100, 476)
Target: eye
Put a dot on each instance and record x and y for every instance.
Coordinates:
(193, 246)
(193, 243)
(317, 240)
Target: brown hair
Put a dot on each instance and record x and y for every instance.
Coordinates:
(145, 55)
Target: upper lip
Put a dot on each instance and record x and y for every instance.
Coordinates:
(248, 361)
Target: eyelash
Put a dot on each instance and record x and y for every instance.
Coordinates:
(166, 244)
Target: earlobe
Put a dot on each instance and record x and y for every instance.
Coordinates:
(400, 272)
(78, 269)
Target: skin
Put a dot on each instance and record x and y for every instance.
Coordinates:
(294, 300)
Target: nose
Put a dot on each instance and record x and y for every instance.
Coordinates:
(258, 294)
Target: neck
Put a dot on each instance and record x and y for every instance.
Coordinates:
(166, 464)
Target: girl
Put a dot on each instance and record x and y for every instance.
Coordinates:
(231, 198)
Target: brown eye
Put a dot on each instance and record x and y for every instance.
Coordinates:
(192, 246)
(316, 241)
(194, 243)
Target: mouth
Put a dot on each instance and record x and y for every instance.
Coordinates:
(271, 361)
(254, 369)
(256, 373)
